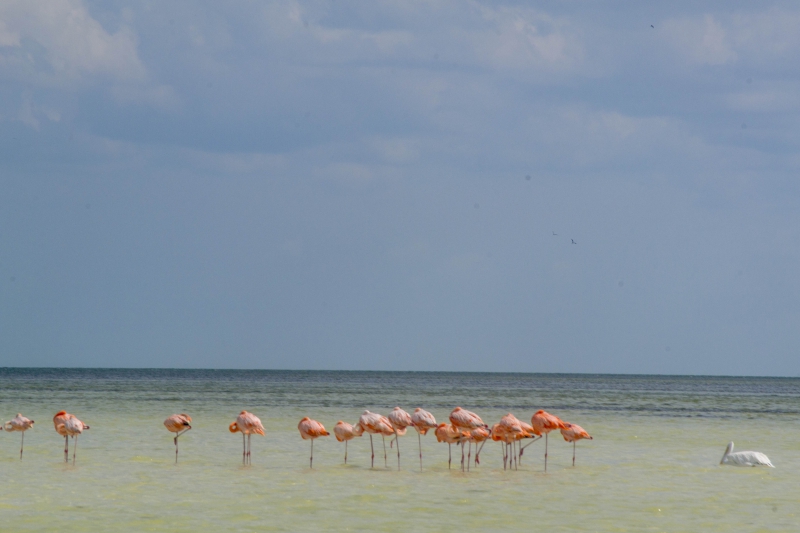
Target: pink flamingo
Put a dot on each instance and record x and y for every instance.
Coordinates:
(478, 436)
(373, 423)
(400, 421)
(58, 422)
(543, 423)
(247, 424)
(69, 426)
(465, 420)
(451, 435)
(511, 429)
(21, 424)
(311, 430)
(178, 424)
(345, 432)
(573, 433)
(423, 421)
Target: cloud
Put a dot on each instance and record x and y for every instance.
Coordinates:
(774, 98)
(58, 43)
(703, 42)
(755, 38)
(518, 38)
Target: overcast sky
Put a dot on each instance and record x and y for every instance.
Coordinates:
(397, 185)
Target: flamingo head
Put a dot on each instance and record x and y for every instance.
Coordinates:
(233, 428)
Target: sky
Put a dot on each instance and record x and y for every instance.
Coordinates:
(597, 187)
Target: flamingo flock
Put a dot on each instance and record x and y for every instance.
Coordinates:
(465, 430)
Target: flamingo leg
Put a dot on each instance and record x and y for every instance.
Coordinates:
(398, 450)
(514, 453)
(371, 447)
(545, 452)
(469, 455)
(345, 452)
(311, 462)
(449, 455)
(419, 437)
(22, 444)
(66, 448)
(522, 448)
(74, 450)
(244, 449)
(505, 452)
(462, 455)
(176, 448)
(249, 449)
(573, 452)
(478, 453)
(385, 460)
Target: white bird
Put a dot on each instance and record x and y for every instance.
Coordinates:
(744, 458)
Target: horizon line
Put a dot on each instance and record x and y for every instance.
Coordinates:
(394, 371)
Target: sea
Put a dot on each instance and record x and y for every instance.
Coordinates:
(653, 463)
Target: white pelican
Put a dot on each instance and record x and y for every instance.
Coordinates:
(744, 458)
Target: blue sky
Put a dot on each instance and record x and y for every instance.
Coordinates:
(350, 185)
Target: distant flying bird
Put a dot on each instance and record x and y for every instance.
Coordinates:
(311, 429)
(652, 26)
(21, 424)
(247, 424)
(178, 424)
(744, 458)
(573, 241)
(400, 421)
(555, 234)
(373, 423)
(573, 433)
(345, 432)
(423, 421)
(543, 423)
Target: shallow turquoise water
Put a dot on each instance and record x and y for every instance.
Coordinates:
(653, 465)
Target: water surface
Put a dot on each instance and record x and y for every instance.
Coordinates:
(653, 465)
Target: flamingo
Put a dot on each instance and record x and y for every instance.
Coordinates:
(373, 423)
(345, 432)
(573, 433)
(69, 426)
(451, 435)
(178, 424)
(465, 420)
(58, 422)
(543, 423)
(511, 429)
(744, 458)
(21, 424)
(478, 436)
(311, 429)
(400, 421)
(247, 423)
(423, 421)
